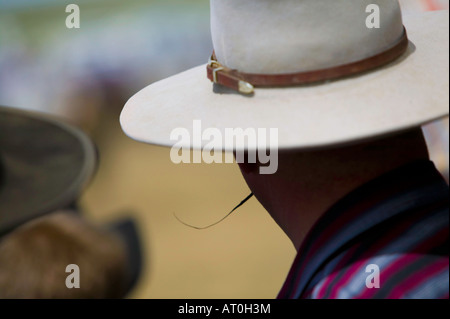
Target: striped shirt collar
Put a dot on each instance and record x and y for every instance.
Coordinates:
(414, 185)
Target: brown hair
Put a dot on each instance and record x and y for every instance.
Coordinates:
(34, 257)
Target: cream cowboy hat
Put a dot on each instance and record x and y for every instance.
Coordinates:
(315, 69)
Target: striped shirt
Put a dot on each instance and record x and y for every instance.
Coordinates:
(387, 239)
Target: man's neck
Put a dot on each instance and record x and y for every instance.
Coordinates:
(307, 184)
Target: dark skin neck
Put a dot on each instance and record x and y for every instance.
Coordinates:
(308, 183)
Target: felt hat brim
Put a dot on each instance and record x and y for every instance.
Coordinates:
(44, 165)
(407, 93)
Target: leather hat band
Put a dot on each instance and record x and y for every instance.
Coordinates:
(245, 82)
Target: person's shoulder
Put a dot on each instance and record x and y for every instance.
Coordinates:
(405, 275)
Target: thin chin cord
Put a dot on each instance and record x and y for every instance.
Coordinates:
(200, 228)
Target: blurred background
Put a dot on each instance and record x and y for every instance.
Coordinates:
(86, 75)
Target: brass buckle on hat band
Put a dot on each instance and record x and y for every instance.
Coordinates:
(216, 67)
(245, 82)
(227, 77)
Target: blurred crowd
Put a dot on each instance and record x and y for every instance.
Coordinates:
(119, 48)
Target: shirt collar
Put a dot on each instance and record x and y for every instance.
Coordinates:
(413, 185)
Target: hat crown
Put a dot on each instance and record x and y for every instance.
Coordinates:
(288, 36)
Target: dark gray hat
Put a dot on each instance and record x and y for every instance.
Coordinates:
(44, 165)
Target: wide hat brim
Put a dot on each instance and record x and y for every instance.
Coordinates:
(407, 93)
(44, 165)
